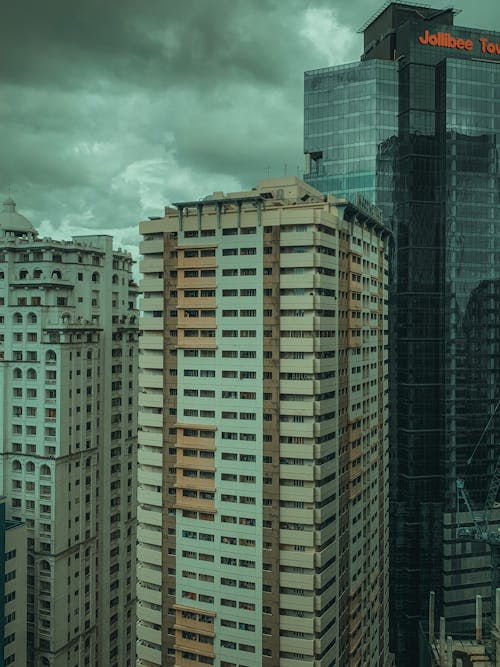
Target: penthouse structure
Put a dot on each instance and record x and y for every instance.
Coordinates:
(263, 452)
(68, 354)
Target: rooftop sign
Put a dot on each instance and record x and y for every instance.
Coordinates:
(444, 39)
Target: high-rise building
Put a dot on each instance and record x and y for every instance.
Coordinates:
(68, 352)
(263, 435)
(415, 127)
(13, 560)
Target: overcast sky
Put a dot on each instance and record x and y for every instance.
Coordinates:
(110, 109)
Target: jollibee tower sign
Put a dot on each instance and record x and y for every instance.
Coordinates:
(444, 39)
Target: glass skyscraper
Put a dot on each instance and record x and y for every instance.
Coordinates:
(415, 128)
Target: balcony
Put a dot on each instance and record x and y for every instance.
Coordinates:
(149, 284)
(151, 438)
(151, 323)
(149, 652)
(151, 360)
(151, 380)
(195, 302)
(148, 634)
(151, 399)
(148, 575)
(184, 482)
(151, 246)
(146, 534)
(151, 303)
(150, 419)
(147, 613)
(148, 457)
(149, 497)
(150, 517)
(148, 555)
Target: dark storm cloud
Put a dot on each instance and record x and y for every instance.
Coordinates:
(111, 108)
(150, 43)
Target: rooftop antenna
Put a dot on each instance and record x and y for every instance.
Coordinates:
(268, 168)
(286, 168)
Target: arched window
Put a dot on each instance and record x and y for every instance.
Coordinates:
(66, 318)
(50, 355)
(89, 354)
(17, 373)
(95, 277)
(45, 470)
(31, 318)
(31, 374)
(132, 320)
(23, 274)
(16, 465)
(115, 279)
(56, 274)
(30, 466)
(44, 566)
(2, 275)
(37, 273)
(17, 318)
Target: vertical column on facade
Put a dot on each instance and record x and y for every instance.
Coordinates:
(357, 478)
(382, 443)
(169, 447)
(195, 491)
(271, 450)
(343, 447)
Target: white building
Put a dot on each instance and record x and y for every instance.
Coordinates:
(12, 590)
(263, 449)
(68, 346)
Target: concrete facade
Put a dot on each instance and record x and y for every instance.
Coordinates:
(68, 388)
(263, 469)
(13, 559)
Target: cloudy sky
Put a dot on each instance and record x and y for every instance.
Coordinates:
(110, 109)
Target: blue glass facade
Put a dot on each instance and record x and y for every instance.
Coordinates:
(350, 121)
(435, 174)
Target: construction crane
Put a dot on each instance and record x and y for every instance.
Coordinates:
(481, 531)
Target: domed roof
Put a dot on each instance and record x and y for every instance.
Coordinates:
(12, 221)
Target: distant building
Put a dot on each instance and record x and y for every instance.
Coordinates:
(68, 354)
(13, 560)
(263, 451)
